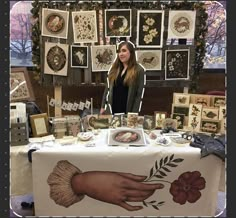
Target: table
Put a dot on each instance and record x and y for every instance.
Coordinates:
(135, 160)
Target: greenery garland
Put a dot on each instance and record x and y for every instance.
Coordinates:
(200, 33)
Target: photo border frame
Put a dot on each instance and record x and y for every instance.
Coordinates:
(33, 118)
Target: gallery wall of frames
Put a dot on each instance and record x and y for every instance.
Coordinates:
(75, 42)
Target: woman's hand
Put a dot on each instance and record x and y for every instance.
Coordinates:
(114, 187)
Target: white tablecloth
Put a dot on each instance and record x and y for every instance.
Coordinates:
(135, 160)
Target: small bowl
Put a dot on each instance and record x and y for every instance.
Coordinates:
(85, 136)
(162, 140)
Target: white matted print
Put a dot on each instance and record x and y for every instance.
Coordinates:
(194, 122)
(177, 64)
(102, 57)
(56, 59)
(84, 25)
(210, 113)
(181, 24)
(211, 126)
(55, 23)
(150, 28)
(118, 22)
(195, 110)
(181, 99)
(150, 59)
(79, 56)
(202, 99)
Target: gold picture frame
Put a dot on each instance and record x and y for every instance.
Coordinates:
(20, 86)
(159, 117)
(39, 124)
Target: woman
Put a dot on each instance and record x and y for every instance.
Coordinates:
(125, 86)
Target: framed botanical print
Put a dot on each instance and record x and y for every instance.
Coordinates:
(55, 23)
(179, 120)
(118, 22)
(218, 101)
(211, 126)
(150, 28)
(160, 116)
(116, 121)
(84, 25)
(181, 99)
(102, 57)
(150, 59)
(202, 99)
(56, 59)
(177, 64)
(79, 56)
(20, 86)
(181, 24)
(195, 110)
(194, 122)
(210, 113)
(180, 109)
(39, 124)
(132, 120)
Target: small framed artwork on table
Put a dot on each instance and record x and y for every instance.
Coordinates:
(210, 113)
(179, 109)
(150, 59)
(20, 86)
(181, 99)
(177, 64)
(195, 110)
(160, 116)
(118, 23)
(79, 56)
(179, 119)
(210, 126)
(202, 99)
(149, 122)
(39, 124)
(132, 120)
(218, 101)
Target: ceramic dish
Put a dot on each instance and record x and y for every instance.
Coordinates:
(85, 136)
(162, 140)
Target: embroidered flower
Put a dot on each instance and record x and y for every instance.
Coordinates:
(150, 21)
(187, 187)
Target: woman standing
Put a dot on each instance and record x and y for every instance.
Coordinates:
(125, 83)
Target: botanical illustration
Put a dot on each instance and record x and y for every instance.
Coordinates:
(116, 121)
(195, 110)
(55, 23)
(84, 26)
(202, 99)
(219, 101)
(181, 24)
(132, 120)
(150, 28)
(150, 59)
(180, 120)
(56, 59)
(210, 126)
(79, 56)
(102, 57)
(194, 122)
(177, 64)
(210, 113)
(222, 112)
(118, 23)
(181, 99)
(159, 118)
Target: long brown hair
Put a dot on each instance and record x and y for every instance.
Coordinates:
(117, 65)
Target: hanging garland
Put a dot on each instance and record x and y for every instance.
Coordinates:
(199, 39)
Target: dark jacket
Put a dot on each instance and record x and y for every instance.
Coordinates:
(134, 100)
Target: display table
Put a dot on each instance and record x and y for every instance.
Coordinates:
(173, 162)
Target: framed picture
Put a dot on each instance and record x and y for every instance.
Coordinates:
(202, 99)
(169, 123)
(116, 121)
(39, 124)
(140, 121)
(194, 122)
(150, 28)
(181, 24)
(181, 99)
(177, 64)
(222, 112)
(223, 126)
(126, 136)
(150, 59)
(210, 126)
(73, 125)
(218, 101)
(84, 25)
(149, 122)
(195, 110)
(179, 120)
(20, 86)
(79, 56)
(132, 120)
(55, 23)
(56, 59)
(97, 122)
(180, 109)
(59, 125)
(210, 113)
(159, 117)
(118, 23)
(102, 57)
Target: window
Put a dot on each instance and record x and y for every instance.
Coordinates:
(20, 33)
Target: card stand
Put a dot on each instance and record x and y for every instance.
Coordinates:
(19, 134)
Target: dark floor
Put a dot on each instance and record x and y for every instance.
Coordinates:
(18, 211)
